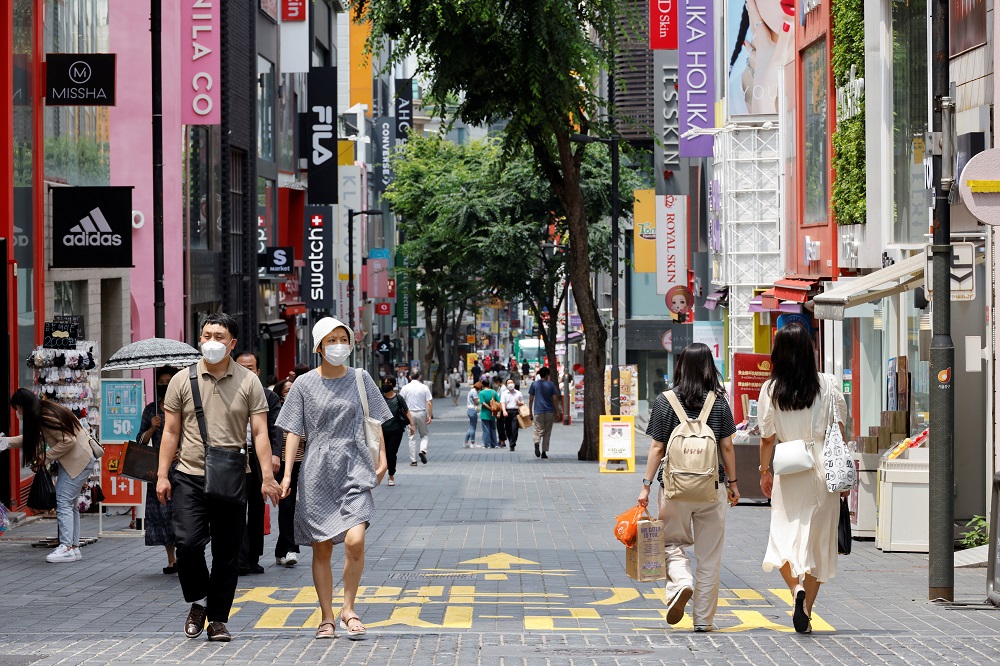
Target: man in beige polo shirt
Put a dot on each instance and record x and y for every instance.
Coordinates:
(231, 397)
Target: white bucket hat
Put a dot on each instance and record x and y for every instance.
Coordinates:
(325, 326)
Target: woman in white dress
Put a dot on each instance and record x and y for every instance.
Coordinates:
(795, 404)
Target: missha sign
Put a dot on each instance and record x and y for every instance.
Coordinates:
(201, 71)
(80, 79)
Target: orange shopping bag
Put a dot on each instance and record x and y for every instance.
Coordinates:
(625, 525)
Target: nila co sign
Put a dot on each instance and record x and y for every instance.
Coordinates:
(80, 79)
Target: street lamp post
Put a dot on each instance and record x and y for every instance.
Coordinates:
(351, 214)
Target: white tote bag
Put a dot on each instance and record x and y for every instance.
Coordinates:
(838, 467)
(373, 428)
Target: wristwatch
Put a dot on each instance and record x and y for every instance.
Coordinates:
(647, 483)
(763, 469)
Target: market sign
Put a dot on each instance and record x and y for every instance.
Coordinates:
(201, 63)
(318, 248)
(91, 227)
(962, 275)
(294, 10)
(750, 371)
(80, 79)
(277, 260)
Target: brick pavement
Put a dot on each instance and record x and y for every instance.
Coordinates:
(487, 557)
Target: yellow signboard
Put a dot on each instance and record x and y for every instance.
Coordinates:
(617, 444)
(644, 232)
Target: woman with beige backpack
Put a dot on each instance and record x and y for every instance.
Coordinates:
(692, 421)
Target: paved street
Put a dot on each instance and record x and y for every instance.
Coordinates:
(486, 557)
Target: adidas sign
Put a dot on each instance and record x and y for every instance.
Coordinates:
(92, 231)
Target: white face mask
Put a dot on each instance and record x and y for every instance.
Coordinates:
(336, 354)
(510, 387)
(213, 351)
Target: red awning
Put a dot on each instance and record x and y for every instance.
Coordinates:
(292, 309)
(794, 289)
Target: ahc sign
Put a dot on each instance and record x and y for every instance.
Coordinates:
(80, 79)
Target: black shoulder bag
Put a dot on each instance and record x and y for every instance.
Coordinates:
(225, 469)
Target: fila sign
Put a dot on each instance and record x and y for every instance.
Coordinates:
(318, 246)
(322, 124)
(92, 227)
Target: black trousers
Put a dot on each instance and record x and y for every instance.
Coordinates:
(511, 426)
(392, 442)
(286, 515)
(501, 428)
(196, 520)
(253, 536)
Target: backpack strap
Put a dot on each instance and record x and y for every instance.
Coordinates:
(199, 410)
(682, 413)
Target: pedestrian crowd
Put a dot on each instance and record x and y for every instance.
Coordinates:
(316, 443)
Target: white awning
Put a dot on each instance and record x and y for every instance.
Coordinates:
(898, 277)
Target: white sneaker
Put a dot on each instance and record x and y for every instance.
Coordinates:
(77, 553)
(61, 554)
(291, 559)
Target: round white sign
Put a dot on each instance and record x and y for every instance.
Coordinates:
(979, 186)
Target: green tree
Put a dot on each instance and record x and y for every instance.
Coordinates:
(532, 64)
(443, 197)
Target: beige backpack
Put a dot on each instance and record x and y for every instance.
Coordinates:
(691, 462)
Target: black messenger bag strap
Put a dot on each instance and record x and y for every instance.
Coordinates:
(199, 411)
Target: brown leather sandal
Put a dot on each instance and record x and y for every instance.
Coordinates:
(358, 631)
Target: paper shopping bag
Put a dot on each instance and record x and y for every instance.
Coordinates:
(646, 561)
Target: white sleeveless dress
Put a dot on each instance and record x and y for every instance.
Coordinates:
(804, 514)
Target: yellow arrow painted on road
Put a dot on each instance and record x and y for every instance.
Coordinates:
(498, 561)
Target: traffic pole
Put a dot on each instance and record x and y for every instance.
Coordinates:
(941, 495)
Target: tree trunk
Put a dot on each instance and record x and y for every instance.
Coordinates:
(595, 335)
(440, 326)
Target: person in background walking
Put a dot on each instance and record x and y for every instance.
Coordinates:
(230, 396)
(338, 474)
(253, 536)
(472, 410)
(419, 399)
(795, 403)
(455, 384)
(501, 388)
(488, 415)
(510, 400)
(401, 379)
(52, 433)
(477, 371)
(543, 399)
(526, 371)
(698, 524)
(393, 429)
(159, 531)
(286, 551)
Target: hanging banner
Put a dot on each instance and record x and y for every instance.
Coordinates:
(321, 126)
(378, 273)
(713, 335)
(406, 304)
(91, 227)
(318, 247)
(294, 37)
(404, 109)
(201, 63)
(696, 85)
(666, 151)
(663, 24)
(644, 231)
(671, 243)
(80, 79)
(385, 136)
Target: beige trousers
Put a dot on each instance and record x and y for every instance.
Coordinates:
(702, 525)
(543, 428)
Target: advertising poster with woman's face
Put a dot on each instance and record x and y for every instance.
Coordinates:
(760, 38)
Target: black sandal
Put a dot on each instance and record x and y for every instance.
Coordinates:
(171, 569)
(799, 618)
